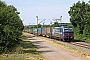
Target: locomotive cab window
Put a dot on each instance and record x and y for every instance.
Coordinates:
(68, 29)
(57, 30)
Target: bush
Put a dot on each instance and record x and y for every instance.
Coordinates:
(11, 27)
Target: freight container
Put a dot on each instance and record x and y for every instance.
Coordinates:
(49, 31)
(31, 30)
(39, 31)
(35, 31)
(44, 31)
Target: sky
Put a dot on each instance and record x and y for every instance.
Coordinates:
(46, 10)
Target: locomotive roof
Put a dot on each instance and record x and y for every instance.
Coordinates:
(66, 26)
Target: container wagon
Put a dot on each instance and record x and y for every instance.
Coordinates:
(39, 31)
(49, 31)
(56, 33)
(31, 30)
(35, 31)
(44, 31)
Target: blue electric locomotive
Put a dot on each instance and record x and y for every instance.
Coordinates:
(67, 33)
(64, 33)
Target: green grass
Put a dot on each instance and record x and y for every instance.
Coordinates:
(88, 40)
(12, 59)
(27, 49)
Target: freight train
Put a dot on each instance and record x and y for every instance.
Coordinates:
(64, 33)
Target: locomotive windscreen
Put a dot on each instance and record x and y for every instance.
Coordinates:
(68, 29)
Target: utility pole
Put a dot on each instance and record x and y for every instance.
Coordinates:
(60, 25)
(37, 25)
(29, 27)
(43, 22)
(51, 29)
(61, 19)
(33, 25)
(89, 1)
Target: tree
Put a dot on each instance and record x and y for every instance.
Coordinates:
(80, 16)
(56, 24)
(11, 27)
(39, 25)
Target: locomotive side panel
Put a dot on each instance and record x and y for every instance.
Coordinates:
(57, 32)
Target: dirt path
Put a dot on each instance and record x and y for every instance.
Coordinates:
(52, 52)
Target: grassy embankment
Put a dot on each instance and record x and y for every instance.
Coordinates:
(83, 39)
(25, 51)
(88, 40)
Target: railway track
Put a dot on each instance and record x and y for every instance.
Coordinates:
(81, 44)
(77, 44)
